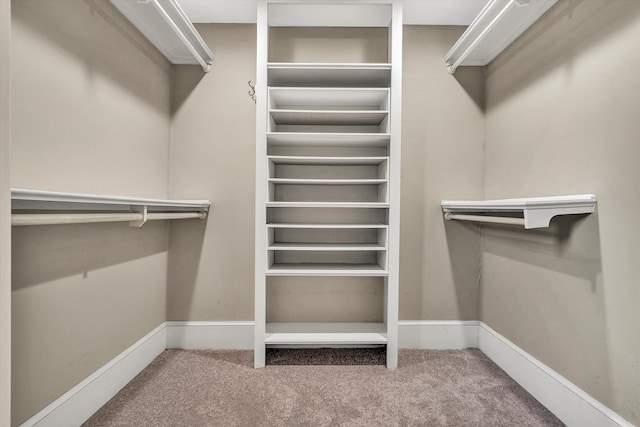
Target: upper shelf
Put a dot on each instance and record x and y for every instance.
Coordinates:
(495, 28)
(164, 23)
(329, 74)
(537, 211)
(22, 199)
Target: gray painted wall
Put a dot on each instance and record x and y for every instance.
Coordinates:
(90, 113)
(563, 117)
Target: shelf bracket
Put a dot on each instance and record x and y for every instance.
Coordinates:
(142, 210)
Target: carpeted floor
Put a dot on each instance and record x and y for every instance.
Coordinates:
(323, 388)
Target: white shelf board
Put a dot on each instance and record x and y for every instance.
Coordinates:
(327, 139)
(313, 269)
(329, 74)
(311, 333)
(513, 22)
(327, 226)
(24, 199)
(329, 117)
(151, 22)
(361, 205)
(537, 211)
(329, 15)
(331, 98)
(328, 181)
(330, 247)
(329, 161)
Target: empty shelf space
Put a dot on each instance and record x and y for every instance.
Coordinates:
(337, 139)
(329, 118)
(326, 247)
(313, 269)
(328, 99)
(300, 181)
(327, 161)
(360, 205)
(328, 226)
(310, 333)
(329, 74)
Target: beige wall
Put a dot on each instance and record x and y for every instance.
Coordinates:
(90, 114)
(563, 117)
(442, 135)
(213, 143)
(212, 156)
(5, 213)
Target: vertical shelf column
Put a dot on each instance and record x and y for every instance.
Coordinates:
(392, 281)
(261, 187)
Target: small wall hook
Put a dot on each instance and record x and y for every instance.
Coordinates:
(252, 92)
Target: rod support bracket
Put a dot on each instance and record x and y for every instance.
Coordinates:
(142, 210)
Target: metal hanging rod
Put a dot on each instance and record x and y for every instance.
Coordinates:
(483, 218)
(135, 218)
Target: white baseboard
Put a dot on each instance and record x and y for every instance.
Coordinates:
(564, 399)
(210, 335)
(438, 335)
(78, 404)
(568, 402)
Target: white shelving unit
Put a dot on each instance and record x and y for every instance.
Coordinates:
(328, 174)
(532, 212)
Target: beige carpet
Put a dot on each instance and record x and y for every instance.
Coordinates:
(331, 388)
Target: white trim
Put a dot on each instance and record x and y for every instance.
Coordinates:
(78, 404)
(437, 334)
(568, 402)
(210, 335)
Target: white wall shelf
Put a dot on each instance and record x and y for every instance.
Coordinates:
(329, 74)
(358, 205)
(495, 28)
(326, 270)
(164, 23)
(283, 333)
(328, 139)
(329, 226)
(536, 211)
(335, 181)
(331, 161)
(35, 207)
(326, 247)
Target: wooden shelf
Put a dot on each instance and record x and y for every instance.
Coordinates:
(23, 199)
(319, 181)
(536, 211)
(329, 74)
(281, 333)
(358, 205)
(313, 269)
(495, 28)
(326, 247)
(328, 139)
(329, 118)
(327, 99)
(328, 161)
(328, 226)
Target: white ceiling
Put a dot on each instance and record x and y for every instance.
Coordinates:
(416, 12)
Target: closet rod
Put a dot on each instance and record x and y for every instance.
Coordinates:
(482, 218)
(206, 67)
(85, 218)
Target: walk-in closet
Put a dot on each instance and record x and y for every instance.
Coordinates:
(319, 212)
